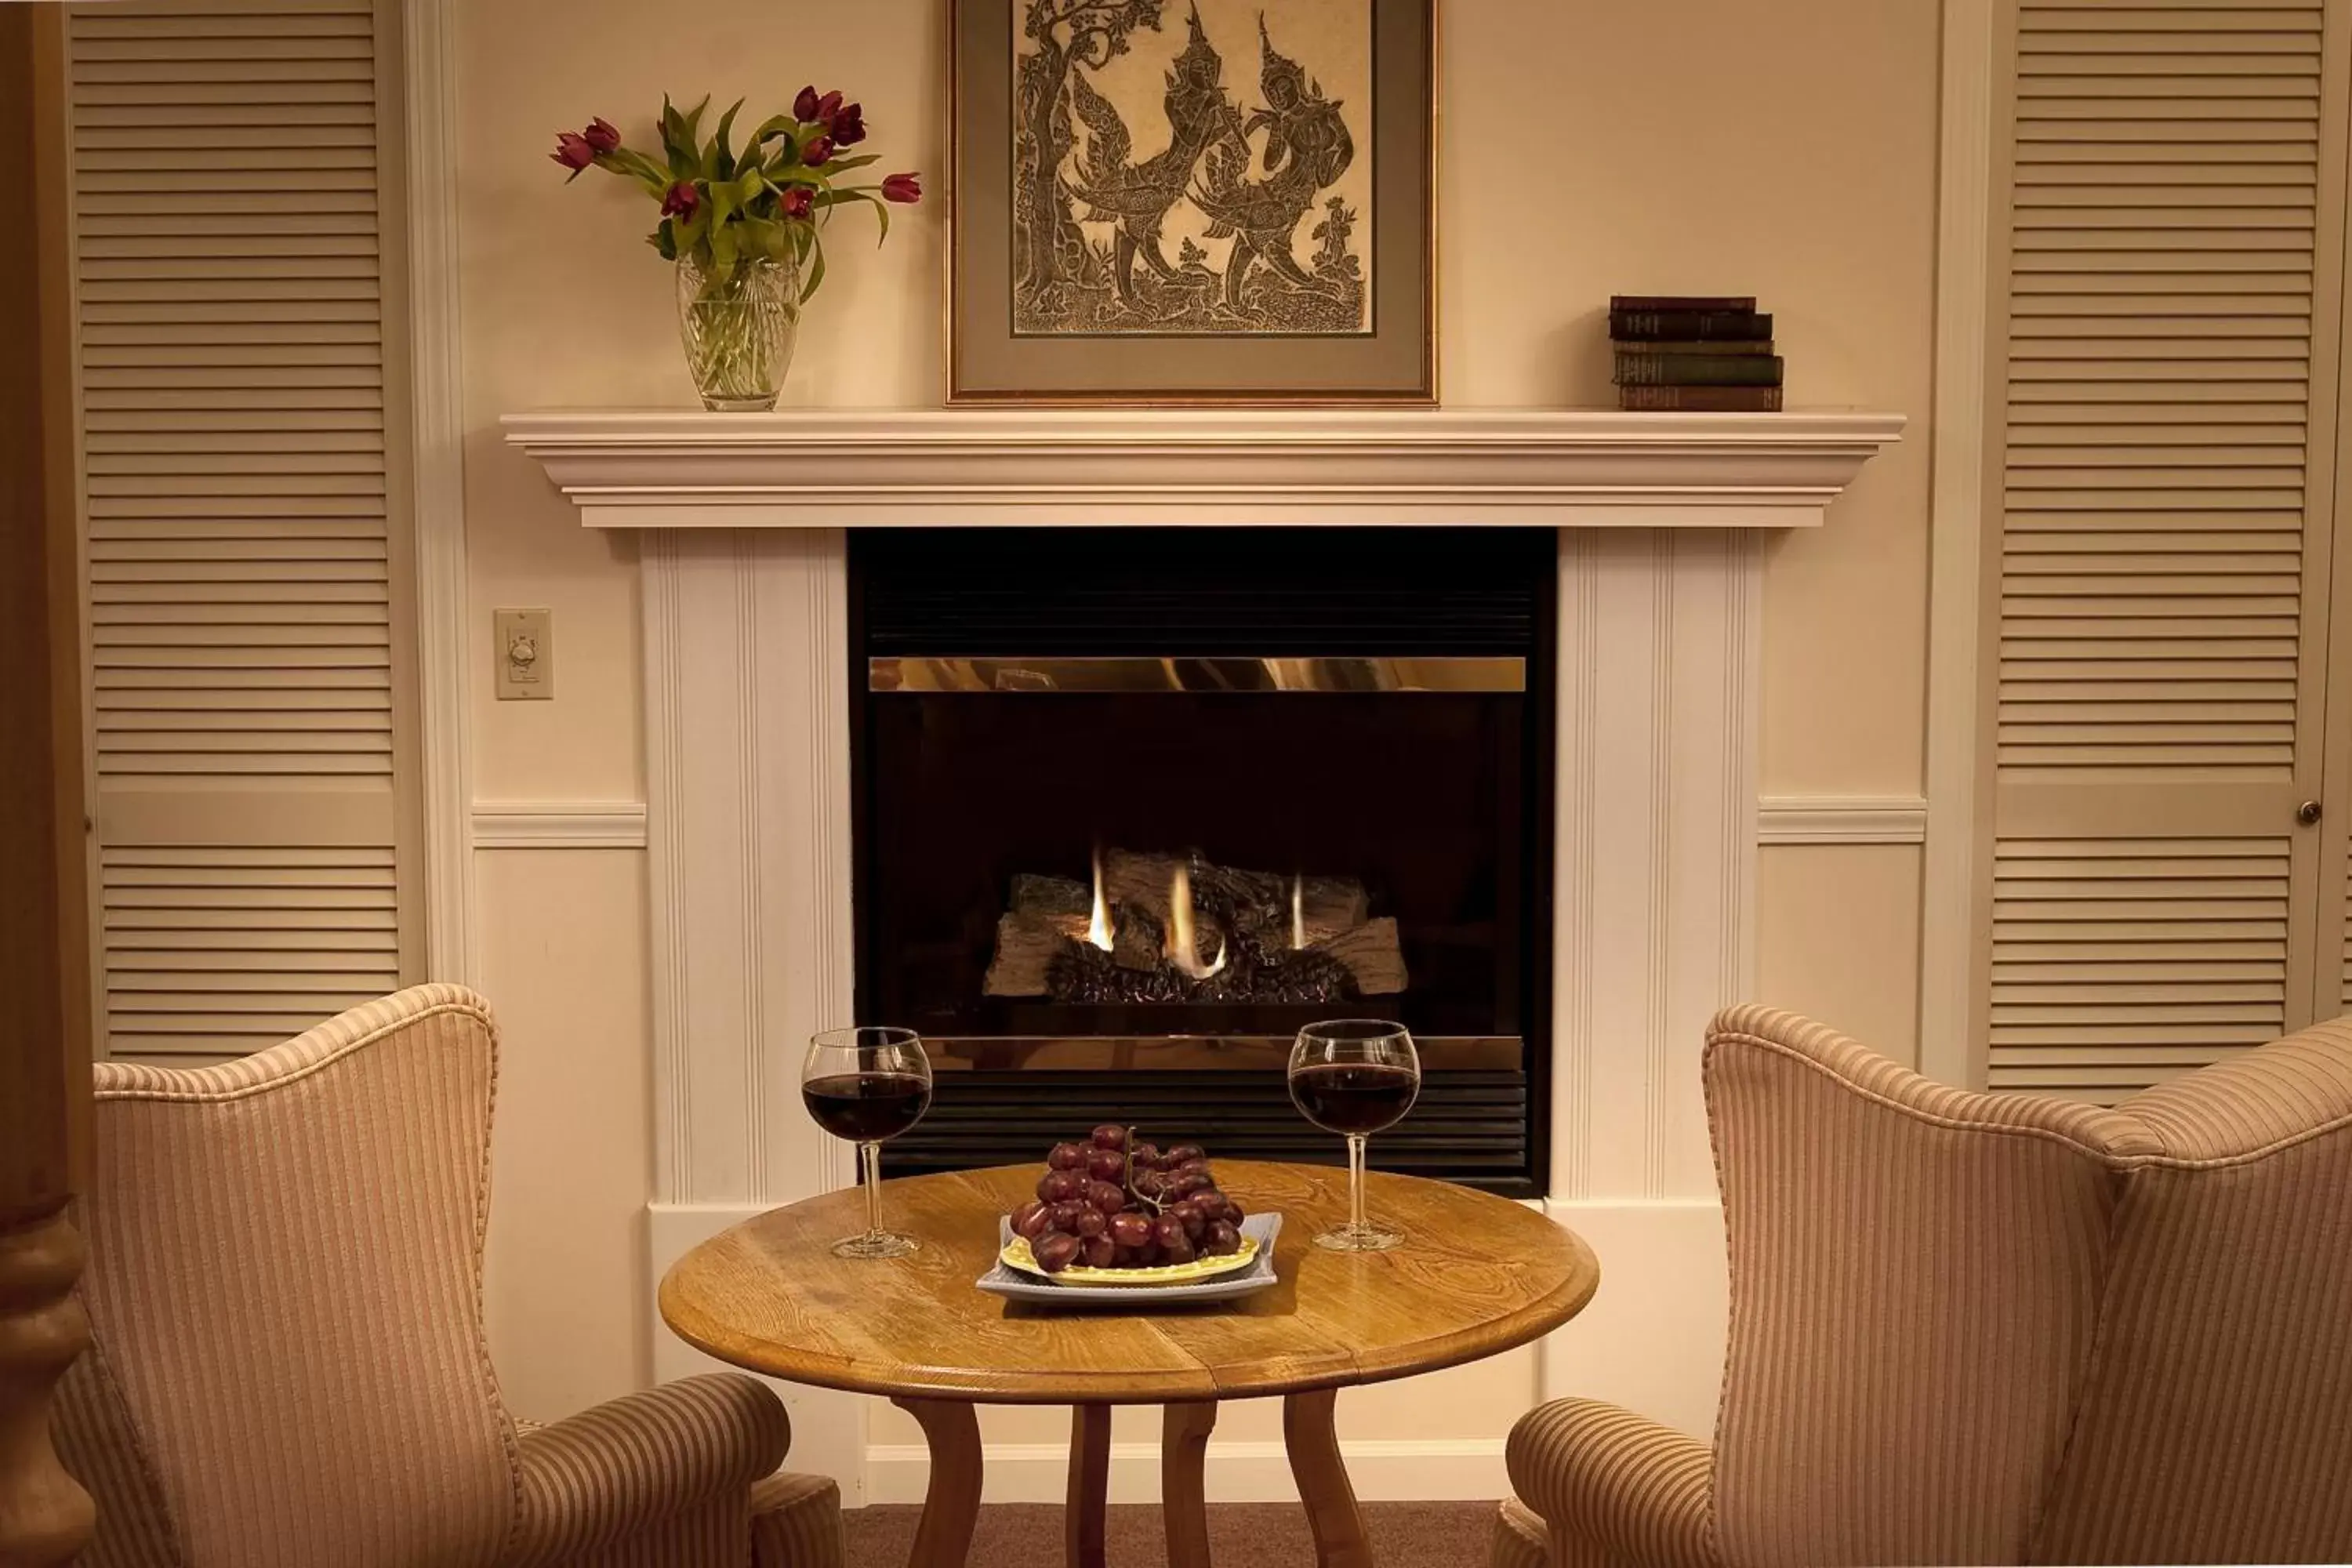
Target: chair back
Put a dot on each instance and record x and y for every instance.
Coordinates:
(1972, 1328)
(288, 1363)
(2215, 1418)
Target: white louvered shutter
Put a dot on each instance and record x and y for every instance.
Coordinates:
(2169, 407)
(245, 550)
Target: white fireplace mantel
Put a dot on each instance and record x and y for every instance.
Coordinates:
(1661, 520)
(1104, 468)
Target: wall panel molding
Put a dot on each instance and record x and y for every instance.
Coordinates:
(1842, 819)
(559, 825)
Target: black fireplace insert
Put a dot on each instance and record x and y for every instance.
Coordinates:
(1133, 805)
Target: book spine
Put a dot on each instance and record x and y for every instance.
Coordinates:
(1747, 326)
(1698, 369)
(1682, 302)
(1702, 399)
(1701, 346)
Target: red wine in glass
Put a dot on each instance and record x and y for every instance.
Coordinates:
(1354, 1099)
(866, 1108)
(1355, 1077)
(866, 1085)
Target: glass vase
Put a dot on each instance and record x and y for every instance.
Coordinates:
(737, 324)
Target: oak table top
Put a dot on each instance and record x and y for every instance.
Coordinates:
(1479, 1275)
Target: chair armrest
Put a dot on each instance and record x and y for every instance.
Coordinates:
(1612, 1486)
(611, 1473)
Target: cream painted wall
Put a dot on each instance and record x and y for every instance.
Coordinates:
(1792, 155)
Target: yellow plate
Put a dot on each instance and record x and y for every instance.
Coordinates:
(1017, 1254)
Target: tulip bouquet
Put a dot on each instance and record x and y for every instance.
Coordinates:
(745, 226)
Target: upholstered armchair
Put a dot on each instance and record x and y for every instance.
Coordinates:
(288, 1366)
(1972, 1328)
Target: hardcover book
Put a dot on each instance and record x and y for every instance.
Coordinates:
(1698, 369)
(1745, 326)
(1682, 301)
(1697, 346)
(1702, 399)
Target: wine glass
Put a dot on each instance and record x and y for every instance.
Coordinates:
(866, 1085)
(1355, 1077)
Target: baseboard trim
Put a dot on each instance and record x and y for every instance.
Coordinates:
(1435, 1471)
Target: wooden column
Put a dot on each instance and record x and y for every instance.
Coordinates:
(45, 1028)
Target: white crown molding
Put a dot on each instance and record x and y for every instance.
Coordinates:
(559, 825)
(1098, 468)
(1842, 819)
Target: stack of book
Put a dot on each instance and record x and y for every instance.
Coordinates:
(1694, 351)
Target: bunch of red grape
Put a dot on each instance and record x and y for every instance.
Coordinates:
(1113, 1203)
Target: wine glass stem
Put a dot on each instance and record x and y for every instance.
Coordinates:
(869, 1159)
(1355, 1181)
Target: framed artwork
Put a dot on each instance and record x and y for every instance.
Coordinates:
(1193, 201)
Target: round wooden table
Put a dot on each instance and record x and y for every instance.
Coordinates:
(1477, 1275)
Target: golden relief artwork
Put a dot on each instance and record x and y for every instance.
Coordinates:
(1204, 173)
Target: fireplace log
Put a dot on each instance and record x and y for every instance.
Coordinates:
(1037, 895)
(1136, 940)
(1371, 952)
(1026, 946)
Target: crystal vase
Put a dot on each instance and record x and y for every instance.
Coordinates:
(737, 324)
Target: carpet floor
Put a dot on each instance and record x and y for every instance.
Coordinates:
(1241, 1535)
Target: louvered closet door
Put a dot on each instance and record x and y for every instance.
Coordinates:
(245, 574)
(2168, 410)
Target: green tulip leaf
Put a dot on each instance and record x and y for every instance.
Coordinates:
(815, 266)
(844, 165)
(718, 162)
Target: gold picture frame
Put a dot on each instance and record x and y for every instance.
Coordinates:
(1252, 141)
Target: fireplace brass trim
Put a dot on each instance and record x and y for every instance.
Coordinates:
(1120, 676)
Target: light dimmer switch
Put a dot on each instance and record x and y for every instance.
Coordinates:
(525, 652)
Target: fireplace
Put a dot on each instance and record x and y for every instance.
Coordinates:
(1130, 807)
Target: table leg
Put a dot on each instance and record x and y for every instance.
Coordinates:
(952, 1504)
(1322, 1478)
(1183, 1492)
(1082, 1514)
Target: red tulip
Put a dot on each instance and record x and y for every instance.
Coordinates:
(849, 125)
(819, 149)
(797, 202)
(574, 151)
(681, 200)
(600, 135)
(902, 188)
(804, 104)
(827, 107)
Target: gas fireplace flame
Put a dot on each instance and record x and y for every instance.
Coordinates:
(1297, 911)
(1181, 951)
(1099, 924)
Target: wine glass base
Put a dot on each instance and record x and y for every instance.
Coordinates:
(1360, 1238)
(875, 1244)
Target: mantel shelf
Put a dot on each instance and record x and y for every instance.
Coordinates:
(1109, 467)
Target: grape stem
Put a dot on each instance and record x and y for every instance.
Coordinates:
(1129, 1181)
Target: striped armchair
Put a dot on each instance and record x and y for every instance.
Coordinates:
(288, 1366)
(1972, 1328)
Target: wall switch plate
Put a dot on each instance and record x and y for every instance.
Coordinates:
(525, 651)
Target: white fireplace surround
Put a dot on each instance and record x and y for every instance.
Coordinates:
(747, 746)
